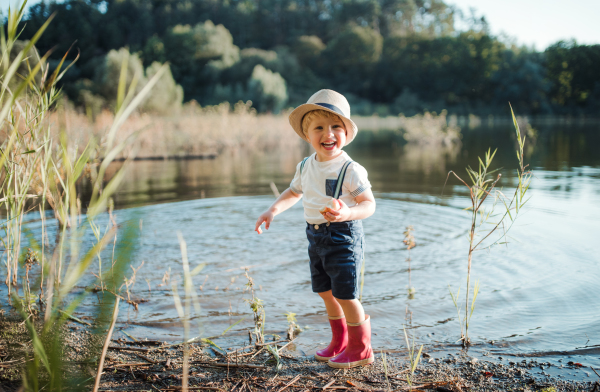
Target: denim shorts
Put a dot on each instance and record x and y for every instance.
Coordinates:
(336, 256)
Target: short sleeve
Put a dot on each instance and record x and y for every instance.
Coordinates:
(357, 179)
(296, 184)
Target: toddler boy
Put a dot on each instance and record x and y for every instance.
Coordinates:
(335, 234)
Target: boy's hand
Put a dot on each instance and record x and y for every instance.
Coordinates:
(341, 215)
(266, 217)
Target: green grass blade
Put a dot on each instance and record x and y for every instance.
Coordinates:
(233, 325)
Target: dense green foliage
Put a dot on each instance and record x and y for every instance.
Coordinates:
(389, 56)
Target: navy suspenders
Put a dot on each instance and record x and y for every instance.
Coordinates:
(302, 164)
(340, 179)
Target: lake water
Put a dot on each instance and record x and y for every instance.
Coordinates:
(539, 295)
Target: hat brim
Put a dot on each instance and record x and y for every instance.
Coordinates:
(298, 114)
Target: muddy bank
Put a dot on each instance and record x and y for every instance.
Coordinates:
(156, 365)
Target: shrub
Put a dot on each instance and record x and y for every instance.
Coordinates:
(107, 75)
(307, 49)
(167, 96)
(267, 90)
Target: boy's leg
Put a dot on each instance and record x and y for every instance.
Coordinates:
(353, 310)
(339, 329)
(332, 305)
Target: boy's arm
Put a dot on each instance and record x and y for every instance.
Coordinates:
(287, 199)
(364, 209)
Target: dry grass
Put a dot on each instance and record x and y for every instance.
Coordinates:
(194, 131)
(200, 130)
(428, 129)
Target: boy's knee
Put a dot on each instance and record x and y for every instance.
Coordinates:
(344, 301)
(326, 294)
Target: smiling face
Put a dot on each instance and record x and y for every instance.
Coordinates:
(326, 133)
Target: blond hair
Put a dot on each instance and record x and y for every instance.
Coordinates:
(308, 117)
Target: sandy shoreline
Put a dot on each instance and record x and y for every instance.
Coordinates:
(157, 365)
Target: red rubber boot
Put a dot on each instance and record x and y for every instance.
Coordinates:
(359, 351)
(339, 339)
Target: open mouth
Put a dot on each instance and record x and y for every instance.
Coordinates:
(328, 145)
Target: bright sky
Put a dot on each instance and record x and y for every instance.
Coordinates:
(539, 22)
(529, 22)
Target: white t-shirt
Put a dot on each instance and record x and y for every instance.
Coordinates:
(318, 182)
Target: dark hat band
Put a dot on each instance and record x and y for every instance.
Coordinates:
(331, 107)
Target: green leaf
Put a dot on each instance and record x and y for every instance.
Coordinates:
(417, 359)
(516, 124)
(210, 342)
(233, 325)
(38, 347)
(475, 292)
(77, 268)
(122, 82)
(507, 210)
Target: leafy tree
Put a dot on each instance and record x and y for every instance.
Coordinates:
(281, 61)
(573, 70)
(109, 71)
(401, 18)
(75, 23)
(154, 50)
(267, 90)
(167, 96)
(455, 69)
(190, 49)
(521, 80)
(350, 58)
(405, 54)
(360, 12)
(307, 49)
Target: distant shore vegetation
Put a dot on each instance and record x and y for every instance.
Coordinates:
(387, 57)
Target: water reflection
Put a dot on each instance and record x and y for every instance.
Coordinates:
(393, 165)
(234, 172)
(428, 159)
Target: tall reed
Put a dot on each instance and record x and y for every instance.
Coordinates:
(41, 166)
(483, 185)
(409, 241)
(258, 310)
(184, 308)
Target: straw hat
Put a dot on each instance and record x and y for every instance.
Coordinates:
(327, 100)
